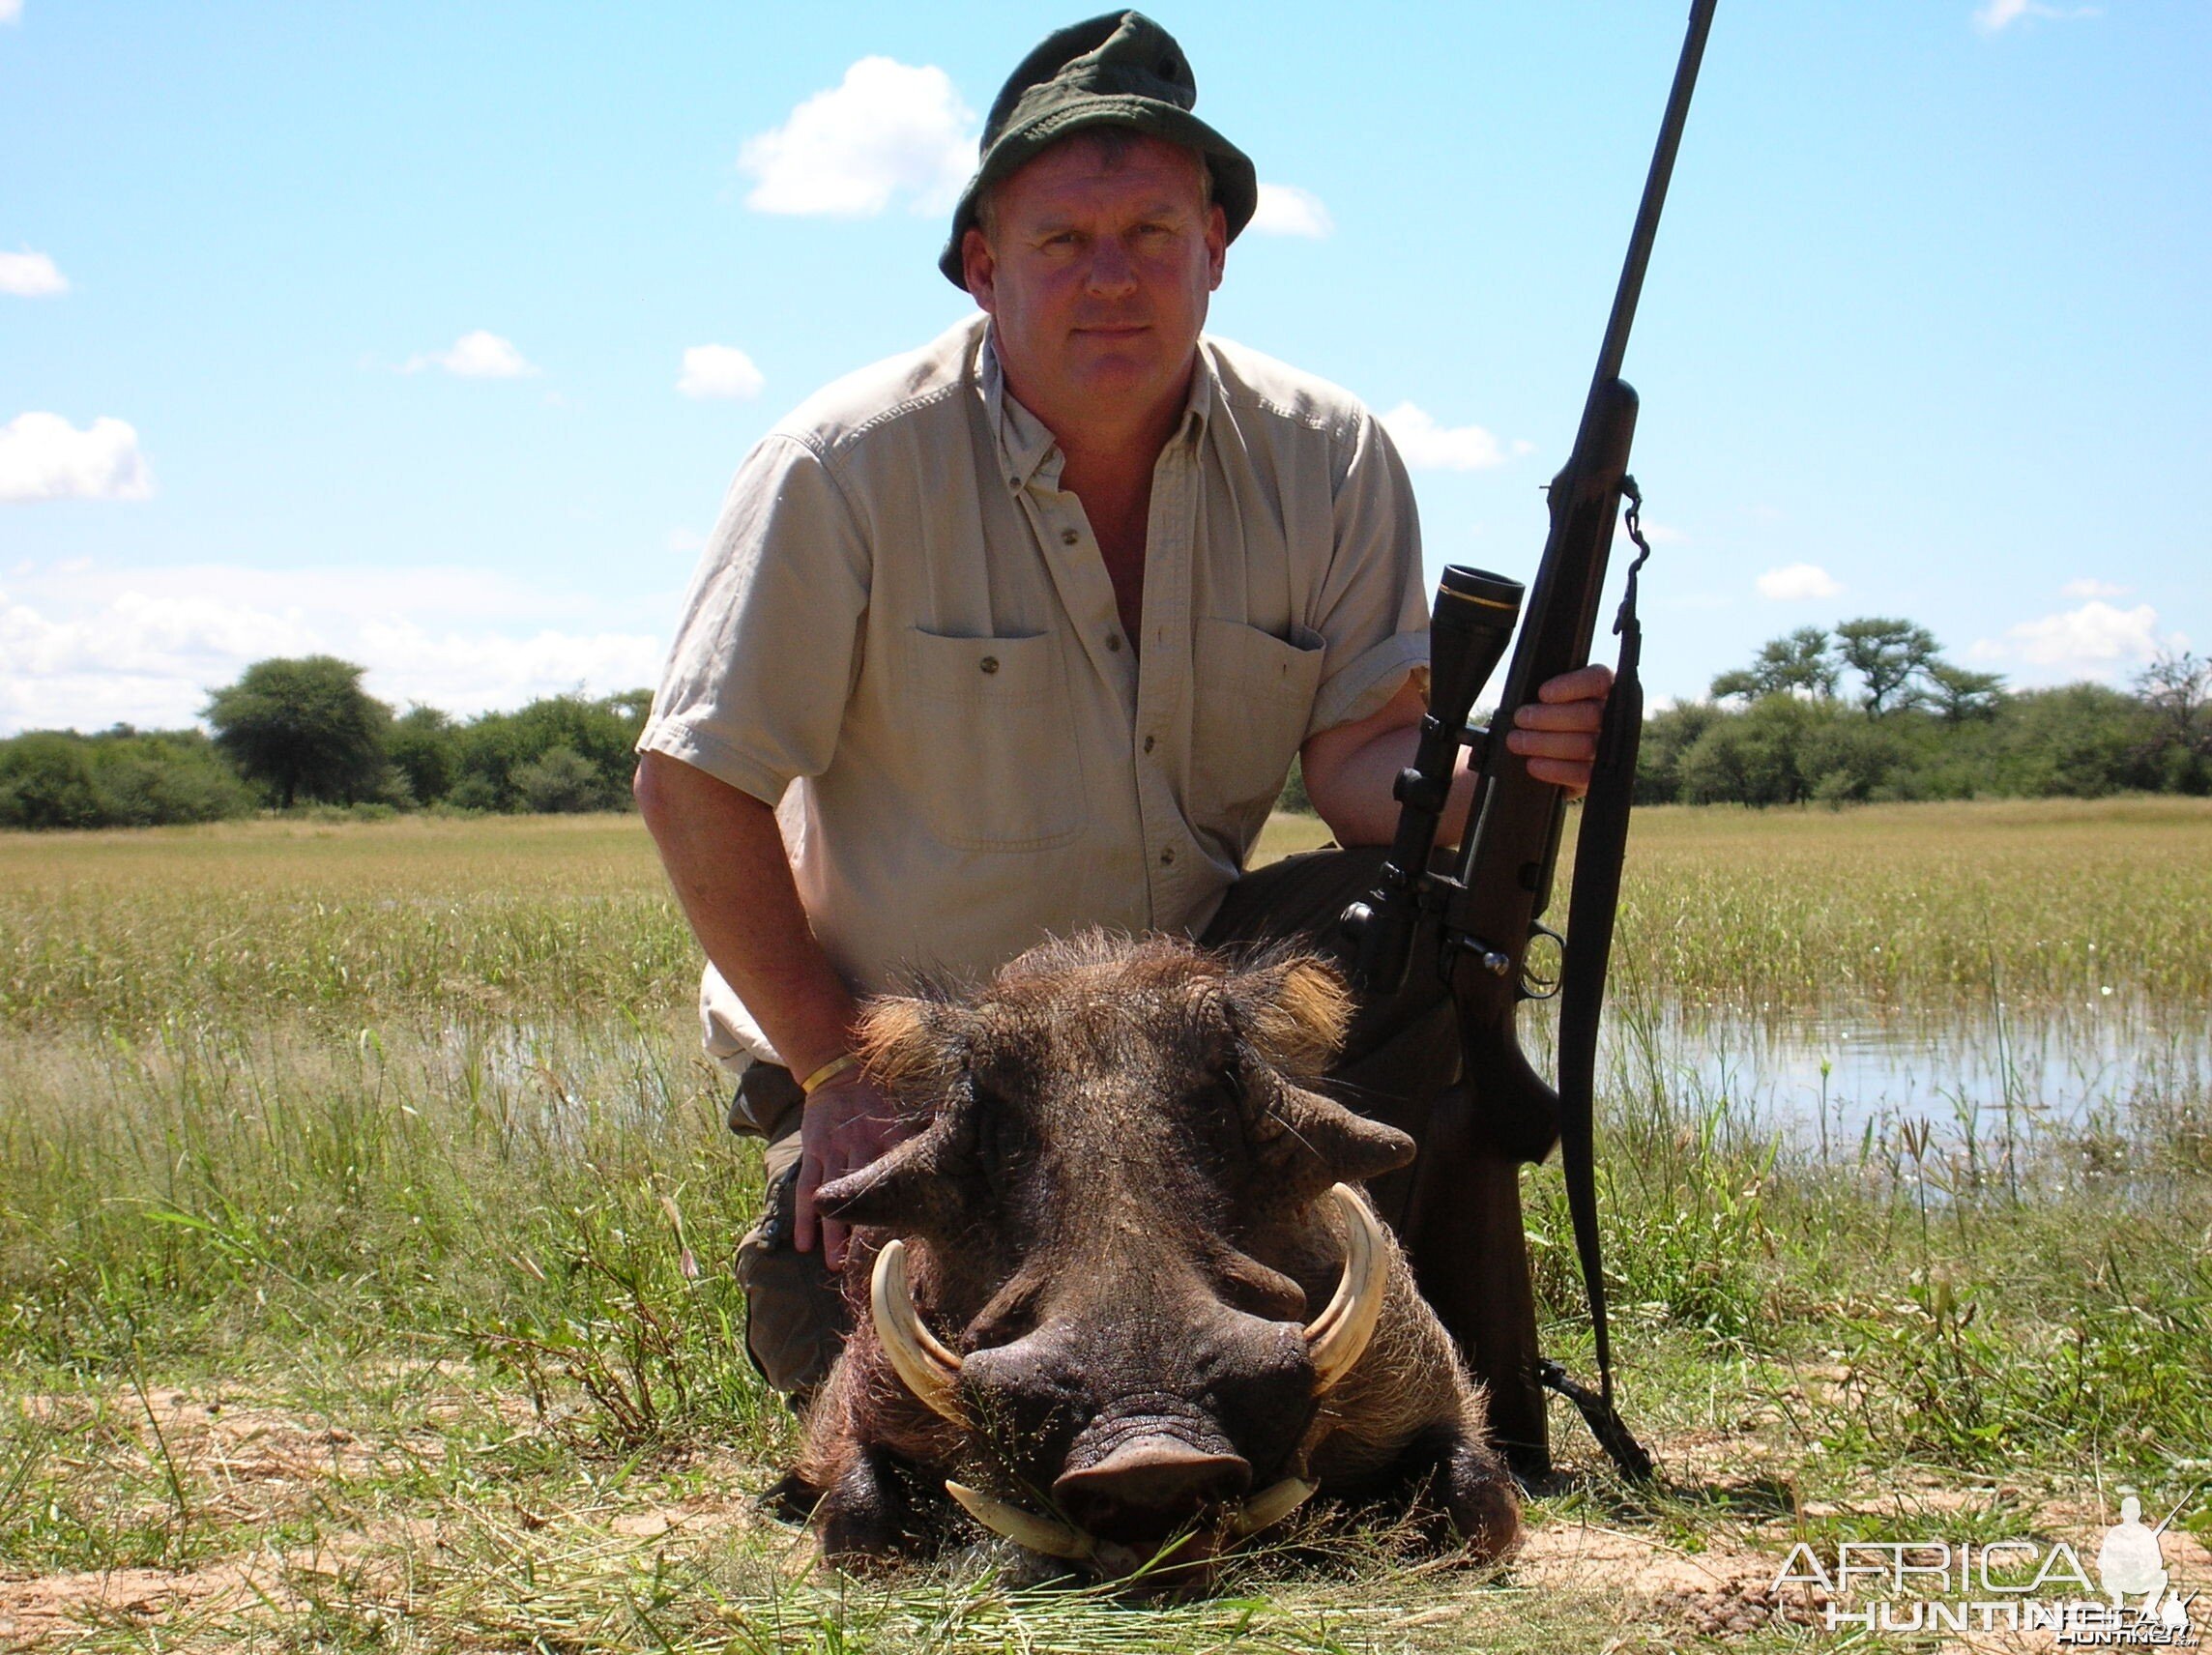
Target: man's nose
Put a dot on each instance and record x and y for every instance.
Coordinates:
(1113, 272)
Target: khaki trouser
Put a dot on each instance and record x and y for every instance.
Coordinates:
(1401, 1052)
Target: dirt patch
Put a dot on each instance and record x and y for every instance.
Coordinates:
(32, 1612)
(1700, 1564)
(1590, 1557)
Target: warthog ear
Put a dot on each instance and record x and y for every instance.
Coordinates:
(913, 1047)
(909, 1188)
(1293, 1012)
(1327, 1144)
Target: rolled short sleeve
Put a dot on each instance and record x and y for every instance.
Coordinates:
(1372, 609)
(767, 651)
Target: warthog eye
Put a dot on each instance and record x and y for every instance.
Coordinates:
(1215, 1112)
(1006, 1143)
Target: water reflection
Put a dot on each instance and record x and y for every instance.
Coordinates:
(1823, 1080)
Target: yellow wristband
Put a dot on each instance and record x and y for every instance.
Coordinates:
(828, 1072)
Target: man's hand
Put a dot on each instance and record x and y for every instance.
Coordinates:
(727, 861)
(1557, 733)
(1349, 770)
(847, 1124)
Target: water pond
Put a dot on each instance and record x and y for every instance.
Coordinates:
(1825, 1080)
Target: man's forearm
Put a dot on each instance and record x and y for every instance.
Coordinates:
(726, 860)
(1360, 807)
(1351, 769)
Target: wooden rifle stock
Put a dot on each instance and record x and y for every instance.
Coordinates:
(1503, 875)
(1463, 1228)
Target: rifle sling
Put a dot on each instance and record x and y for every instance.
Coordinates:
(1599, 850)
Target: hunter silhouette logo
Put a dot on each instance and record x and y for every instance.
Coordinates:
(2010, 1586)
(2131, 1563)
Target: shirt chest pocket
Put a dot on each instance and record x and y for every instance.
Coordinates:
(1255, 696)
(993, 763)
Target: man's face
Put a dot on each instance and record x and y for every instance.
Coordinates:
(1097, 272)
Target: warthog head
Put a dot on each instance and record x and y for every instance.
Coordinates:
(1124, 1267)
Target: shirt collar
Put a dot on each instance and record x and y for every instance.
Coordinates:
(1027, 448)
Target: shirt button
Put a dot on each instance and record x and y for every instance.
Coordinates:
(1148, 741)
(1068, 537)
(1167, 858)
(1114, 639)
(989, 663)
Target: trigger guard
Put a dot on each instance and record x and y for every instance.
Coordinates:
(1534, 985)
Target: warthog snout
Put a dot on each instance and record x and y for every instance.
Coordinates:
(1149, 1486)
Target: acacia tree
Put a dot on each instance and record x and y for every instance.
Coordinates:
(2178, 691)
(1960, 694)
(1887, 656)
(1800, 661)
(303, 728)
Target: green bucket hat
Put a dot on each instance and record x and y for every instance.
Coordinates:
(1121, 70)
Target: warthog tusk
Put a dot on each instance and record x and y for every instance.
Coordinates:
(1270, 1505)
(1337, 1338)
(1046, 1535)
(930, 1371)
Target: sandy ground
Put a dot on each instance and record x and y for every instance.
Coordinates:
(257, 1468)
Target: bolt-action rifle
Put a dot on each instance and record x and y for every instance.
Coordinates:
(1477, 922)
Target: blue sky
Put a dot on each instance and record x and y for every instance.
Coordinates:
(363, 329)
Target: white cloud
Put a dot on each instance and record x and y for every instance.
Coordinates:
(1426, 445)
(10, 11)
(30, 275)
(721, 371)
(1286, 210)
(886, 129)
(2093, 588)
(139, 633)
(476, 355)
(2094, 641)
(1795, 582)
(685, 540)
(1997, 16)
(1664, 534)
(86, 648)
(343, 590)
(43, 457)
(475, 670)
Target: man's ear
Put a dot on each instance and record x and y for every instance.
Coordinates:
(1217, 246)
(979, 270)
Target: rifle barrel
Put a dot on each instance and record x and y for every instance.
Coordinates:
(1631, 288)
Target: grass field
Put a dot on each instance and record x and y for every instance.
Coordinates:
(364, 1218)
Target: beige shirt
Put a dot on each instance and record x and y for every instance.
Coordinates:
(902, 632)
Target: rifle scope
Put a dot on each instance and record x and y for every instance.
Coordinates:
(1471, 624)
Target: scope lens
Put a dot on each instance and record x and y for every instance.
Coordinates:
(1480, 586)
